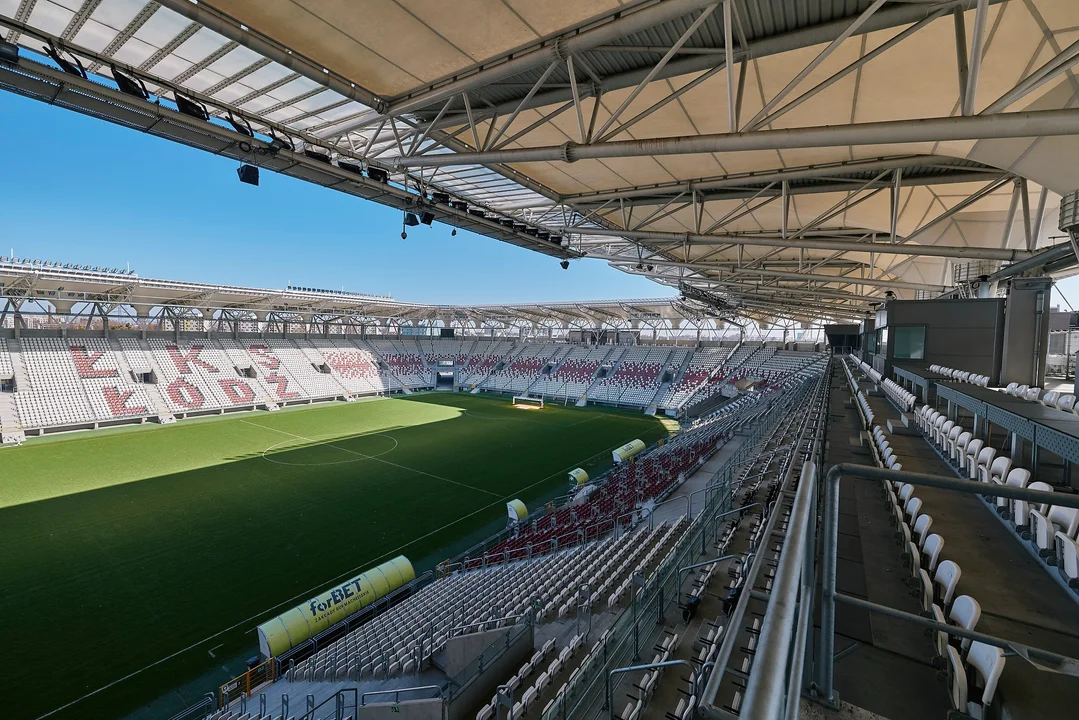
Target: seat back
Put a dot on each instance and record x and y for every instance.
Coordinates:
(1021, 509)
(988, 661)
(1033, 393)
(1012, 387)
(914, 506)
(921, 527)
(933, 545)
(905, 492)
(999, 469)
(954, 433)
(947, 576)
(1050, 398)
(965, 612)
(1067, 519)
(1017, 477)
(1066, 403)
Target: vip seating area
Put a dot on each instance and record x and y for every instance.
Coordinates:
(1003, 567)
(83, 382)
(552, 614)
(1048, 398)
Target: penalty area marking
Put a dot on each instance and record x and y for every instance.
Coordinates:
(305, 594)
(359, 457)
(211, 650)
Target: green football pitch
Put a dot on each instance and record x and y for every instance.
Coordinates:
(138, 560)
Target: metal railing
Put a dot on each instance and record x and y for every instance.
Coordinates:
(786, 668)
(618, 646)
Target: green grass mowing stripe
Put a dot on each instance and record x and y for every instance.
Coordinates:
(131, 570)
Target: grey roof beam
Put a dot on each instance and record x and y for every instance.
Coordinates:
(949, 251)
(892, 16)
(1047, 123)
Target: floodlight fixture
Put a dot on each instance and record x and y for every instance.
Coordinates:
(411, 220)
(378, 175)
(130, 85)
(564, 264)
(191, 108)
(427, 218)
(350, 167)
(317, 155)
(240, 125)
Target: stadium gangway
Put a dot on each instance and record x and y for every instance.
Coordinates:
(786, 671)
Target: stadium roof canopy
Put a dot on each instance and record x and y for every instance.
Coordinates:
(74, 293)
(776, 156)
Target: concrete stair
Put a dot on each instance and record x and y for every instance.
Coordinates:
(164, 415)
(11, 432)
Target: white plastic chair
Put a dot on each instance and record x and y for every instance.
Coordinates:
(975, 449)
(988, 662)
(921, 527)
(947, 577)
(1050, 398)
(1066, 403)
(933, 545)
(998, 470)
(966, 612)
(1068, 560)
(1021, 508)
(959, 448)
(1018, 478)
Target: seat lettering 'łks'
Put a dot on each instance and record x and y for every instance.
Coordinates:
(117, 399)
(185, 394)
(239, 392)
(184, 362)
(84, 363)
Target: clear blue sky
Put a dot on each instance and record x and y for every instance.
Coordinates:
(77, 189)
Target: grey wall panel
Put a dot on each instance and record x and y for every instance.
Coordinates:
(962, 334)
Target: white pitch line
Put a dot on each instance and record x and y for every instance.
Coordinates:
(307, 593)
(290, 601)
(375, 458)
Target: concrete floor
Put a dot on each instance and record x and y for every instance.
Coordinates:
(1020, 600)
(885, 668)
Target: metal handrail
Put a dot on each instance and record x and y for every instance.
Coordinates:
(824, 686)
(397, 693)
(707, 705)
(764, 694)
(649, 666)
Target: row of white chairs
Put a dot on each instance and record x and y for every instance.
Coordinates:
(961, 375)
(936, 581)
(1053, 531)
(1051, 398)
(902, 397)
